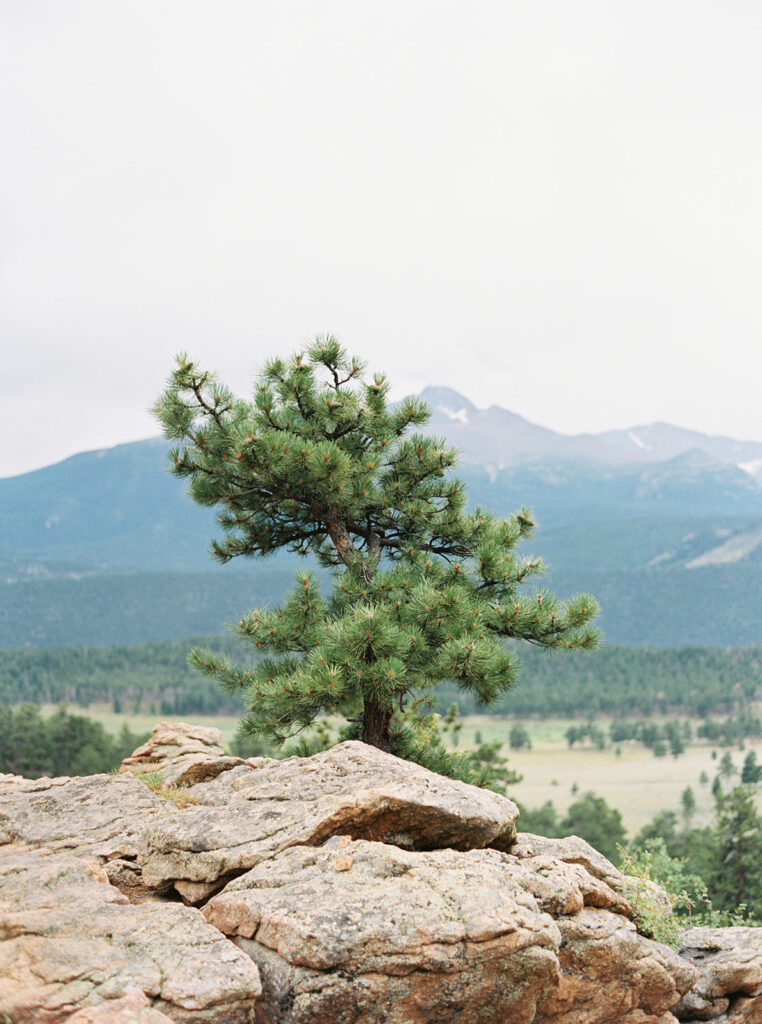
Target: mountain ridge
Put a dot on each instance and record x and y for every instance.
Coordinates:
(646, 536)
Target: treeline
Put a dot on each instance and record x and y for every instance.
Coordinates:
(59, 744)
(614, 681)
(622, 681)
(147, 677)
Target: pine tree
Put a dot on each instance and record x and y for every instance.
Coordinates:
(736, 877)
(751, 773)
(319, 463)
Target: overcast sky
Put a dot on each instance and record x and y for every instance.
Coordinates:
(551, 206)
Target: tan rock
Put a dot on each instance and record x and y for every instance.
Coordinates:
(101, 815)
(440, 936)
(351, 788)
(72, 941)
(612, 975)
(570, 850)
(134, 1008)
(443, 936)
(182, 755)
(729, 984)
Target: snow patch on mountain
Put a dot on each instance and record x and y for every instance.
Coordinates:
(454, 414)
(752, 468)
(733, 550)
(638, 441)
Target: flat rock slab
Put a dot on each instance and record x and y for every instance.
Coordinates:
(729, 985)
(100, 814)
(71, 941)
(350, 789)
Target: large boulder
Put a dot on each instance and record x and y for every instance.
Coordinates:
(358, 930)
(729, 985)
(351, 789)
(363, 931)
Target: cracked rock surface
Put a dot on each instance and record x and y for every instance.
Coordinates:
(729, 985)
(350, 789)
(345, 888)
(362, 931)
(71, 940)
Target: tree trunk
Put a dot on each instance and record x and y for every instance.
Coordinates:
(376, 721)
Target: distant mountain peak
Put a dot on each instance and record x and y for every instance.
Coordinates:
(449, 402)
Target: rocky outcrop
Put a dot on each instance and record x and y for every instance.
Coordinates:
(729, 985)
(358, 930)
(345, 888)
(182, 755)
(72, 940)
(364, 931)
(252, 814)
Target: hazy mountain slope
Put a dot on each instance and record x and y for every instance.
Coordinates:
(105, 547)
(116, 508)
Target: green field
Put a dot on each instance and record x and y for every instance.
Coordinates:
(638, 784)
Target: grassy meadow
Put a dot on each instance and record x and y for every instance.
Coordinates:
(638, 784)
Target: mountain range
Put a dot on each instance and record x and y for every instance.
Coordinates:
(663, 524)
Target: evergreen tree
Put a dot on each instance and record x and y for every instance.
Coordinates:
(727, 768)
(593, 820)
(424, 591)
(519, 737)
(736, 877)
(751, 772)
(688, 803)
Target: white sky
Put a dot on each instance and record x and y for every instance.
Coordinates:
(551, 206)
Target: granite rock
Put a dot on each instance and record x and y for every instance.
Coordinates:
(350, 789)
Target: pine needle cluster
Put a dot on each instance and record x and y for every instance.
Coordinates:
(320, 463)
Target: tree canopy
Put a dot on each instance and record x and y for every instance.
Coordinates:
(424, 590)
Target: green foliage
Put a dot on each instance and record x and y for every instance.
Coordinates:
(751, 773)
(688, 803)
(659, 737)
(659, 889)
(736, 873)
(137, 676)
(518, 738)
(727, 768)
(424, 591)
(690, 901)
(540, 821)
(632, 681)
(730, 731)
(593, 733)
(600, 825)
(61, 744)
(134, 677)
(724, 860)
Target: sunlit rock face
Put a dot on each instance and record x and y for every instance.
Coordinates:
(345, 888)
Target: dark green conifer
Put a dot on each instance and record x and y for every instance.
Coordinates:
(320, 463)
